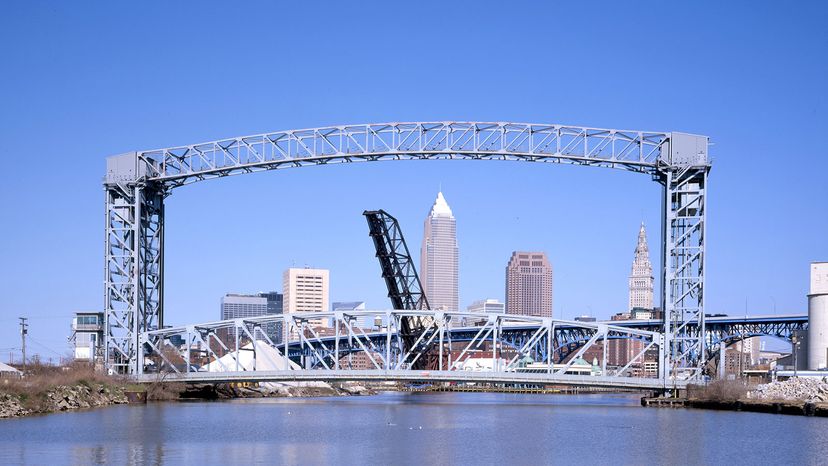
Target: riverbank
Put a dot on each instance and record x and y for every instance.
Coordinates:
(796, 396)
(795, 407)
(47, 389)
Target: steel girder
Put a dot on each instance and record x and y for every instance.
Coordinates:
(683, 251)
(137, 183)
(196, 349)
(731, 333)
(568, 339)
(632, 150)
(398, 270)
(134, 268)
(400, 275)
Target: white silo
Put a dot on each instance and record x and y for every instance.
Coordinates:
(818, 317)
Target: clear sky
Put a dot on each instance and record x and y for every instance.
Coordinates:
(81, 81)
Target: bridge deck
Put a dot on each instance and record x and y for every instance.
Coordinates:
(412, 376)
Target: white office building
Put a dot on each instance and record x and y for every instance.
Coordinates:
(306, 290)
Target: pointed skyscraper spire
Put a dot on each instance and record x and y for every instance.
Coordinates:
(440, 207)
(641, 276)
(641, 247)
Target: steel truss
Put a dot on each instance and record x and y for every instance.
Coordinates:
(134, 270)
(137, 183)
(400, 275)
(190, 350)
(722, 335)
(683, 251)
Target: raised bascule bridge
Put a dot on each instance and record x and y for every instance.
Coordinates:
(416, 343)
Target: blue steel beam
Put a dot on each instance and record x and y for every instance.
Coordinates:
(569, 338)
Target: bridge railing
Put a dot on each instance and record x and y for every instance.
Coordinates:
(353, 341)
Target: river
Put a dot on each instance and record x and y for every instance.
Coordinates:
(413, 428)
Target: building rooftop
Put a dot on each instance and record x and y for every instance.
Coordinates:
(441, 207)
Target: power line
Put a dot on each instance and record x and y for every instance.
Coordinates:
(44, 346)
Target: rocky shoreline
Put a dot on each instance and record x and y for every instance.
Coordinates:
(92, 395)
(798, 396)
(61, 398)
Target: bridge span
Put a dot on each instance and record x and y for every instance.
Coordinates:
(411, 376)
(137, 184)
(500, 349)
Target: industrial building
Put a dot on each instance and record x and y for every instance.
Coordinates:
(818, 317)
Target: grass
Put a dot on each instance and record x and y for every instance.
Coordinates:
(719, 390)
(40, 379)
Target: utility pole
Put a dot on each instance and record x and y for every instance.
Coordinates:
(794, 347)
(24, 330)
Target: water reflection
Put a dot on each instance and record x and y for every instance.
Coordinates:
(395, 428)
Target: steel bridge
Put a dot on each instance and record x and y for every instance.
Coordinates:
(516, 349)
(719, 330)
(137, 183)
(503, 349)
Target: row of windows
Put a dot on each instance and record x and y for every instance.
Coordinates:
(88, 320)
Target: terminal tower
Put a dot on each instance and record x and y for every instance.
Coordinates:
(641, 278)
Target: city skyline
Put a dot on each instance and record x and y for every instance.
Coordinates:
(235, 233)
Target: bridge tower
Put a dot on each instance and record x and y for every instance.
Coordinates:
(134, 264)
(137, 183)
(683, 176)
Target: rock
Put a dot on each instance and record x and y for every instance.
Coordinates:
(796, 388)
(10, 406)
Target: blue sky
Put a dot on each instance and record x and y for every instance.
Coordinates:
(83, 81)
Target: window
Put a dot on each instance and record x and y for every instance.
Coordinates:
(87, 320)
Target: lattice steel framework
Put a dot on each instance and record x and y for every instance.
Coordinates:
(567, 337)
(134, 269)
(137, 183)
(401, 279)
(404, 288)
(196, 352)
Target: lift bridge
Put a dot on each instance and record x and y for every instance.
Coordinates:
(137, 184)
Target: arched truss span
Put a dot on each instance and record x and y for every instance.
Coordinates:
(639, 151)
(136, 184)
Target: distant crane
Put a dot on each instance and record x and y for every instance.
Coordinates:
(401, 279)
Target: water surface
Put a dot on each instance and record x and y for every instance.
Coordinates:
(414, 428)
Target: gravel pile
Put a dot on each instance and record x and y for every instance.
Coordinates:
(795, 388)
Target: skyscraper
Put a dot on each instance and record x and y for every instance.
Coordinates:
(306, 290)
(529, 284)
(641, 277)
(439, 257)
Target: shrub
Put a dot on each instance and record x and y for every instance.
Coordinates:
(719, 390)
